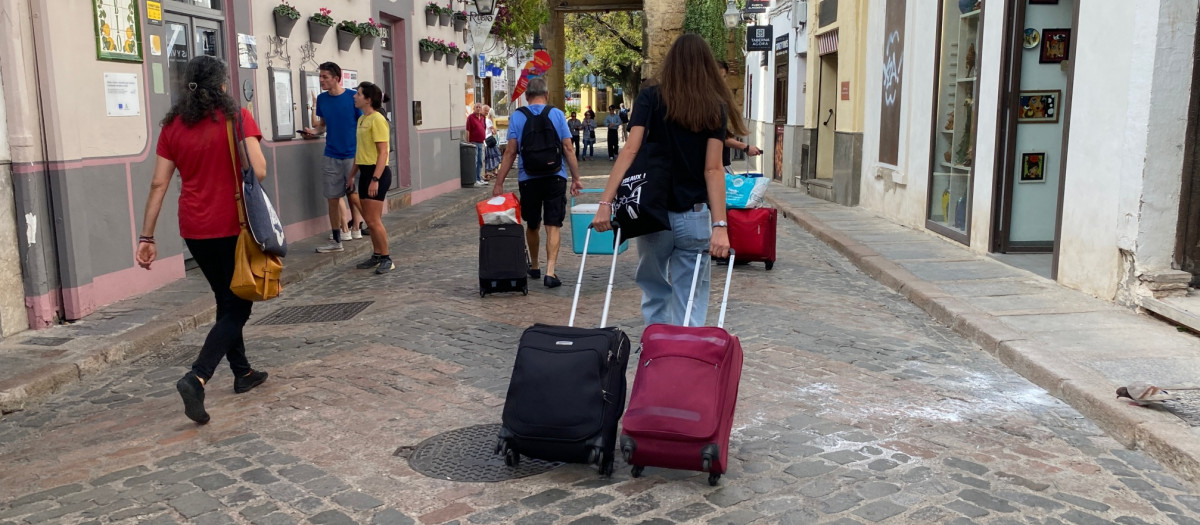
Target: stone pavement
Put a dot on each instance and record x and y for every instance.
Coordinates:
(855, 407)
(39, 363)
(1079, 348)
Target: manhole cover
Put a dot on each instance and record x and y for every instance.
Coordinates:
(176, 356)
(1187, 407)
(47, 341)
(317, 313)
(467, 454)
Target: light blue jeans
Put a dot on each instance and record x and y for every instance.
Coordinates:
(478, 161)
(666, 261)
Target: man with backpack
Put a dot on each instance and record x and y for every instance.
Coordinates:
(539, 134)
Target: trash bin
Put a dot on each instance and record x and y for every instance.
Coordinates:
(466, 159)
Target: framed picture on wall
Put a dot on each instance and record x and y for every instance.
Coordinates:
(1033, 167)
(1056, 45)
(1037, 107)
(118, 30)
(281, 104)
(310, 87)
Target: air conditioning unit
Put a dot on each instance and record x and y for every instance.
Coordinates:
(800, 14)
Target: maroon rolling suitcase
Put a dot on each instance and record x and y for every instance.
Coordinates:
(752, 234)
(681, 408)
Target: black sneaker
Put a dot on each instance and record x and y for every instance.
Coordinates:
(192, 392)
(243, 384)
(535, 273)
(370, 263)
(552, 281)
(385, 265)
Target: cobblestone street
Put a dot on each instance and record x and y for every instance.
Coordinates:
(855, 407)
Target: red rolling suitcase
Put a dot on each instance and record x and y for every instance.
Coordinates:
(752, 234)
(681, 408)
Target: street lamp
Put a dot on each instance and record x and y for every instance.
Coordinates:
(537, 42)
(484, 11)
(732, 15)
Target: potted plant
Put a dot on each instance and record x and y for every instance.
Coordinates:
(285, 18)
(432, 10)
(451, 53)
(347, 31)
(444, 15)
(368, 32)
(460, 20)
(426, 47)
(464, 58)
(319, 24)
(439, 49)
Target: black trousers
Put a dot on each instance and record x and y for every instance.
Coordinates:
(613, 146)
(575, 142)
(215, 258)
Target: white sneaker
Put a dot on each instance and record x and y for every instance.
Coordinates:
(330, 248)
(346, 235)
(354, 234)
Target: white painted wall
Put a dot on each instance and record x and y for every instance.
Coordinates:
(5, 156)
(761, 82)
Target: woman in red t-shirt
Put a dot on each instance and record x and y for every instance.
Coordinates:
(195, 140)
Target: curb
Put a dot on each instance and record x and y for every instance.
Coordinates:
(53, 377)
(1158, 434)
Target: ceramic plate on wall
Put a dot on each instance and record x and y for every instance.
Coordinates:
(1032, 38)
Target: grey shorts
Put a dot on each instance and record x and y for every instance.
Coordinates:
(335, 173)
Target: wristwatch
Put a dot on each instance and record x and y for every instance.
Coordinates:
(720, 224)
(375, 179)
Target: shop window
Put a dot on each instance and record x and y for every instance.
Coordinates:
(955, 118)
(207, 4)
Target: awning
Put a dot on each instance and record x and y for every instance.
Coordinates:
(827, 43)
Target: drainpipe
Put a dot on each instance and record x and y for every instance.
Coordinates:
(30, 144)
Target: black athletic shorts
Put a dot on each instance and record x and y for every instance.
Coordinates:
(365, 173)
(543, 194)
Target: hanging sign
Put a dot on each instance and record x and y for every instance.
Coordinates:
(534, 68)
(479, 27)
(757, 6)
(758, 38)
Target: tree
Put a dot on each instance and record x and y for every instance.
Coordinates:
(611, 43)
(517, 20)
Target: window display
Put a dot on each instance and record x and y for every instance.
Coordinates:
(954, 136)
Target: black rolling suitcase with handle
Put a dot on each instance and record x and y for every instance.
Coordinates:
(503, 259)
(567, 389)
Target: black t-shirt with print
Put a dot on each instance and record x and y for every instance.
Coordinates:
(686, 148)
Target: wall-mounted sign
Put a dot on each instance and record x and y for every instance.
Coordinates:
(247, 52)
(121, 94)
(758, 38)
(416, 112)
(757, 6)
(846, 90)
(781, 44)
(154, 12)
(349, 79)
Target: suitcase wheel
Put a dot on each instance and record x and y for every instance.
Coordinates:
(512, 458)
(770, 264)
(713, 479)
(501, 446)
(637, 471)
(628, 445)
(705, 465)
(707, 455)
(525, 289)
(482, 292)
(594, 456)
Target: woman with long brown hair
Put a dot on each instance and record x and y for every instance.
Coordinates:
(687, 109)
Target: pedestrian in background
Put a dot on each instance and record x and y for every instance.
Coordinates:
(334, 112)
(374, 175)
(477, 134)
(575, 126)
(624, 114)
(613, 123)
(491, 159)
(731, 141)
(196, 139)
(589, 134)
(686, 109)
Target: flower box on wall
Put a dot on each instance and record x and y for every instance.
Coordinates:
(285, 19)
(366, 42)
(316, 32)
(345, 39)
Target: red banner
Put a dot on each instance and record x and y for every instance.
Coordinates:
(535, 68)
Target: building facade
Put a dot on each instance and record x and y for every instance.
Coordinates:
(1048, 133)
(86, 84)
(775, 99)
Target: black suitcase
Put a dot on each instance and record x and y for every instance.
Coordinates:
(567, 390)
(503, 259)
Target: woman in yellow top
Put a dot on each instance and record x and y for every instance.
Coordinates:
(374, 176)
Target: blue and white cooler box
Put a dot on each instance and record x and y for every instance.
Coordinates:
(745, 190)
(581, 218)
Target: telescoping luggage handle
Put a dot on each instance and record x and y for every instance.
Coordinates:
(687, 315)
(611, 273)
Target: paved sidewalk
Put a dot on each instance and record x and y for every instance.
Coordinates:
(1079, 348)
(42, 362)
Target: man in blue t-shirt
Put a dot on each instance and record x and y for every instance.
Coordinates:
(543, 198)
(334, 112)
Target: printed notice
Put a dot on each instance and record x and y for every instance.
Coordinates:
(121, 94)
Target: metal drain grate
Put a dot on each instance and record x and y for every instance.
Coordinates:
(467, 454)
(182, 355)
(1186, 407)
(47, 341)
(317, 313)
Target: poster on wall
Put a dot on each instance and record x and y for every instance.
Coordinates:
(118, 30)
(350, 79)
(1033, 167)
(121, 94)
(893, 82)
(281, 103)
(247, 52)
(310, 84)
(1038, 107)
